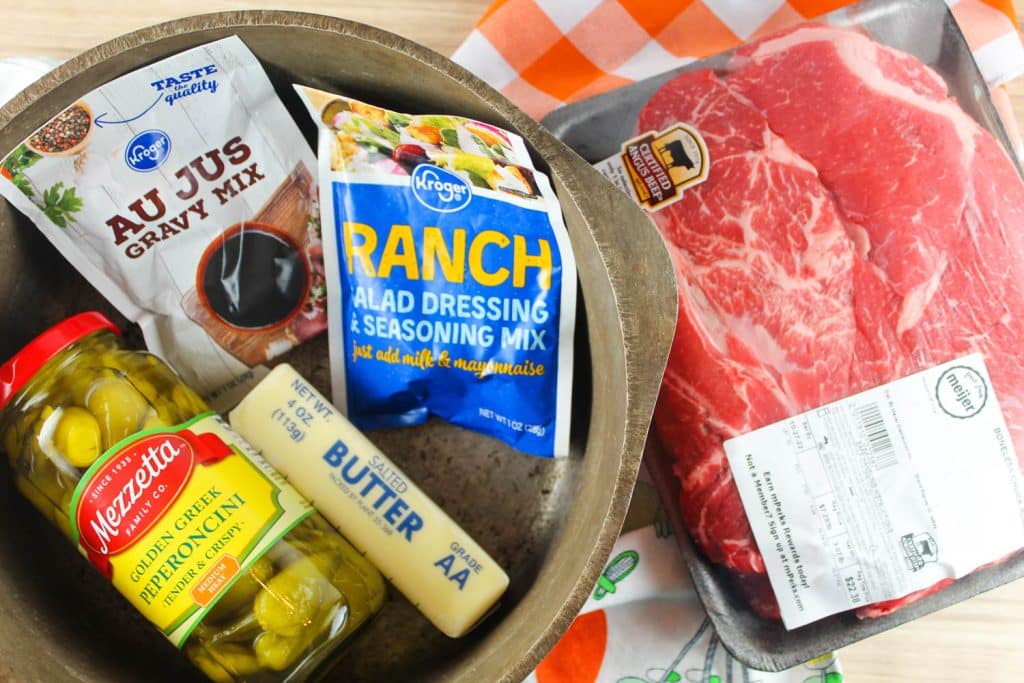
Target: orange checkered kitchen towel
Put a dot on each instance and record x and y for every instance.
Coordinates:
(542, 54)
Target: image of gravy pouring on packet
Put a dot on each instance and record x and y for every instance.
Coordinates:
(451, 283)
(186, 194)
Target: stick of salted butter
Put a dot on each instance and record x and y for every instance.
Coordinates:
(426, 555)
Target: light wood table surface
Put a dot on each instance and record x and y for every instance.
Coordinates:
(978, 640)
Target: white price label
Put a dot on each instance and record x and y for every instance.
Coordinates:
(882, 493)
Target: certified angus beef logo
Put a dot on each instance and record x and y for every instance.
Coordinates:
(961, 392)
(919, 550)
(661, 165)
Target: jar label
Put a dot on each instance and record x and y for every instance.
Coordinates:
(172, 517)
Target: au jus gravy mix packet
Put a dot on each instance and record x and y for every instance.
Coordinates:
(185, 193)
(451, 282)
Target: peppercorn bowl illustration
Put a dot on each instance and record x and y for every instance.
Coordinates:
(66, 134)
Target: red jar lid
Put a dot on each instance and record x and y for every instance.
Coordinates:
(17, 371)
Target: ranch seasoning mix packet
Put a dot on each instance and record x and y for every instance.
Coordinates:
(186, 194)
(451, 283)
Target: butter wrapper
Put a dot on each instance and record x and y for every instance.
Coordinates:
(446, 574)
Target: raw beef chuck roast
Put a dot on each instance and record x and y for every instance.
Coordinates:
(856, 226)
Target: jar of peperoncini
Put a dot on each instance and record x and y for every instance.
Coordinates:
(195, 529)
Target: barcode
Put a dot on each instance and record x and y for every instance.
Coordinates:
(882, 453)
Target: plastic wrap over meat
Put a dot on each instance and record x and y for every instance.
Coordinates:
(856, 226)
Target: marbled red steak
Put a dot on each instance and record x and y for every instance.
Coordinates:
(856, 226)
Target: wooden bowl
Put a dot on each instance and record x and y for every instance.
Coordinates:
(551, 524)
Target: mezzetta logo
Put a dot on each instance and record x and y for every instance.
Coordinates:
(132, 491)
(439, 189)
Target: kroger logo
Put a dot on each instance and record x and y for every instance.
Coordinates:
(147, 151)
(440, 189)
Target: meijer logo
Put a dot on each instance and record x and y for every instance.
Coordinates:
(147, 151)
(439, 189)
(961, 392)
